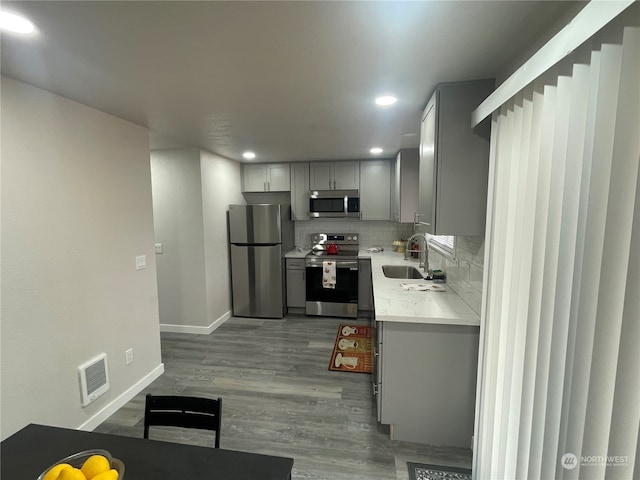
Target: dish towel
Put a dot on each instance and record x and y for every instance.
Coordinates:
(328, 274)
(421, 287)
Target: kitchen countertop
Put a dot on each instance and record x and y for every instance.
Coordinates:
(295, 253)
(393, 304)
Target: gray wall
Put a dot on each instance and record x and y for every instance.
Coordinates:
(220, 188)
(566, 12)
(76, 211)
(192, 190)
(177, 216)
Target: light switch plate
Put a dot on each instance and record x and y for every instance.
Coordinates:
(141, 262)
(129, 356)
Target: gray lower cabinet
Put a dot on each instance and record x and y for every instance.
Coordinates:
(426, 381)
(296, 282)
(376, 378)
(365, 286)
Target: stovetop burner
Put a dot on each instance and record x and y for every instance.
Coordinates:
(347, 243)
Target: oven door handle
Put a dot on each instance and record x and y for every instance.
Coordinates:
(351, 265)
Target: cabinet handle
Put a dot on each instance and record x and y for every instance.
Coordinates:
(334, 184)
(416, 220)
(329, 184)
(304, 272)
(268, 186)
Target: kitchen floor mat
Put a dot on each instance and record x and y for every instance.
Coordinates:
(423, 471)
(353, 349)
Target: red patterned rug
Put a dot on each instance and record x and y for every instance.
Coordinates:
(353, 350)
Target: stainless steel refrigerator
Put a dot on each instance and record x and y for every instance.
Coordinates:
(256, 260)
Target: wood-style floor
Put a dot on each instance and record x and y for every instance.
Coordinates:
(279, 398)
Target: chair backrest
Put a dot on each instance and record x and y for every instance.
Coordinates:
(181, 411)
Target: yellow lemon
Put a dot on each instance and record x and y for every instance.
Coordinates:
(70, 473)
(108, 475)
(95, 465)
(55, 471)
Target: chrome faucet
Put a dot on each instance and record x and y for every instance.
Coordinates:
(424, 253)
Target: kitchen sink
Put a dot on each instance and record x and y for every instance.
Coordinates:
(401, 271)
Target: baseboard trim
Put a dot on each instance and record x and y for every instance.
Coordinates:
(121, 400)
(194, 329)
(297, 310)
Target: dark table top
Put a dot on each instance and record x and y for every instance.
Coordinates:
(27, 453)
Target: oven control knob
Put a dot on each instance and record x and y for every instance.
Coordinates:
(355, 238)
(348, 239)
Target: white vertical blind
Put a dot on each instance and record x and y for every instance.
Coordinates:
(560, 358)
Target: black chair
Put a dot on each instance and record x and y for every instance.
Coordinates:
(180, 411)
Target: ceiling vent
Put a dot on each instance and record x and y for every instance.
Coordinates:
(94, 379)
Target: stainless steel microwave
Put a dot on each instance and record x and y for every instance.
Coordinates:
(334, 204)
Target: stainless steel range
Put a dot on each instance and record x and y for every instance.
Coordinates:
(337, 297)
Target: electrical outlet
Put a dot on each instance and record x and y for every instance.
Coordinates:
(141, 262)
(158, 247)
(129, 356)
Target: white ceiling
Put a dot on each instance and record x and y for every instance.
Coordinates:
(291, 81)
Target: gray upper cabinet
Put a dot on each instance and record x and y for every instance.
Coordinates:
(454, 161)
(266, 178)
(405, 186)
(299, 191)
(375, 190)
(334, 176)
(321, 176)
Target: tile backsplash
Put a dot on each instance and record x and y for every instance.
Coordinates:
(371, 233)
(465, 271)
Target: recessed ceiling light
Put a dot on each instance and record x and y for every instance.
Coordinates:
(386, 100)
(376, 150)
(249, 155)
(411, 134)
(15, 23)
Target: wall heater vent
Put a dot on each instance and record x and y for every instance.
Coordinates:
(94, 379)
